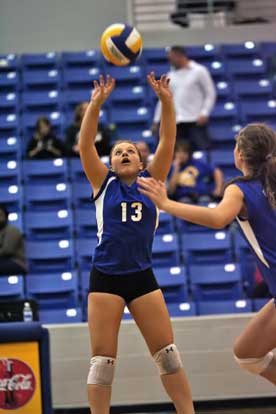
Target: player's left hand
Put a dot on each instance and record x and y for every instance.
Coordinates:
(161, 87)
(155, 190)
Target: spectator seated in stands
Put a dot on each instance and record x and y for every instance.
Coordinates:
(44, 143)
(191, 179)
(72, 135)
(12, 252)
(260, 289)
(144, 151)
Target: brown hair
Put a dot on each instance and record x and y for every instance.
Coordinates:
(257, 143)
(44, 120)
(184, 146)
(78, 113)
(121, 141)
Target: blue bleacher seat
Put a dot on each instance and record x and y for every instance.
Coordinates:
(11, 197)
(216, 69)
(8, 62)
(9, 82)
(80, 78)
(9, 125)
(60, 316)
(72, 97)
(223, 136)
(16, 220)
(165, 225)
(224, 307)
(204, 53)
(129, 75)
(216, 281)
(173, 282)
(247, 261)
(9, 173)
(70, 113)
(84, 283)
(155, 55)
(207, 247)
(268, 49)
(86, 58)
(53, 290)
(224, 159)
(51, 197)
(181, 309)
(45, 171)
(41, 79)
(50, 256)
(224, 110)
(52, 225)
(261, 111)
(38, 61)
(84, 252)
(85, 223)
(247, 68)
(259, 303)
(50, 101)
(9, 103)
(224, 91)
(158, 69)
(241, 50)
(11, 288)
(125, 96)
(253, 89)
(126, 117)
(9, 148)
(29, 120)
(82, 195)
(76, 170)
(165, 250)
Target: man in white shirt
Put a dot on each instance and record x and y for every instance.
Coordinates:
(194, 97)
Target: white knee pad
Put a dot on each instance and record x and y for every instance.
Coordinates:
(168, 359)
(101, 370)
(255, 365)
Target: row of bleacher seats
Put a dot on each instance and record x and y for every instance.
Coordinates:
(53, 84)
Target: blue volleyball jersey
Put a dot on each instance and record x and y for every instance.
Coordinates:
(260, 230)
(126, 221)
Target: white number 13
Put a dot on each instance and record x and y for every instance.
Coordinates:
(137, 216)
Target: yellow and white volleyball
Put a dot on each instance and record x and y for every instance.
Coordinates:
(121, 44)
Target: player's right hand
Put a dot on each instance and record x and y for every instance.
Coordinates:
(102, 90)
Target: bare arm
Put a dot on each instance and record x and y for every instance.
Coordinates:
(94, 168)
(216, 218)
(160, 165)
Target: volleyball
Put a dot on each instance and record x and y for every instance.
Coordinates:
(121, 44)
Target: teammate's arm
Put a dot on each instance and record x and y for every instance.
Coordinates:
(216, 218)
(160, 165)
(94, 168)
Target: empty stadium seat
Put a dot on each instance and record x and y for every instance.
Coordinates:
(247, 49)
(155, 55)
(41, 79)
(52, 225)
(173, 282)
(80, 78)
(203, 53)
(53, 290)
(84, 252)
(9, 103)
(132, 75)
(50, 256)
(216, 282)
(76, 170)
(9, 82)
(11, 288)
(85, 223)
(49, 101)
(246, 68)
(82, 192)
(223, 307)
(8, 62)
(57, 316)
(250, 90)
(181, 309)
(165, 225)
(207, 247)
(87, 58)
(9, 173)
(45, 171)
(260, 111)
(9, 148)
(128, 96)
(9, 125)
(258, 304)
(38, 61)
(165, 250)
(11, 197)
(16, 220)
(51, 197)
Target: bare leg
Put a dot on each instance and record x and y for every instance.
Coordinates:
(152, 317)
(258, 338)
(104, 318)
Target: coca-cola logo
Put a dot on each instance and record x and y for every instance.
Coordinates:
(17, 383)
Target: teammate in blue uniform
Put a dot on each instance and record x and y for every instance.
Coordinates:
(121, 272)
(251, 199)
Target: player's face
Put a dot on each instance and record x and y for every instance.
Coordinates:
(125, 160)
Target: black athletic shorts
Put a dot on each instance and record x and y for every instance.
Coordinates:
(129, 286)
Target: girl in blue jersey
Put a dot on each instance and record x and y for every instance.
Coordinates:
(121, 272)
(251, 199)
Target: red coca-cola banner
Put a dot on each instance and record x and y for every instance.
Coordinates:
(17, 383)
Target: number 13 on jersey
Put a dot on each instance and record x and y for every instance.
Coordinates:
(136, 210)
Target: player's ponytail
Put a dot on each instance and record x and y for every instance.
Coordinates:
(257, 145)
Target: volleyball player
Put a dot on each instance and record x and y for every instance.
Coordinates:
(121, 272)
(251, 200)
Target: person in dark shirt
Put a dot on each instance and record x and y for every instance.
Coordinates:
(44, 143)
(72, 135)
(12, 253)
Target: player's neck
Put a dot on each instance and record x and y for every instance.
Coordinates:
(128, 180)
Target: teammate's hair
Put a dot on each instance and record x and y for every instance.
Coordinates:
(121, 141)
(184, 146)
(180, 50)
(257, 144)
